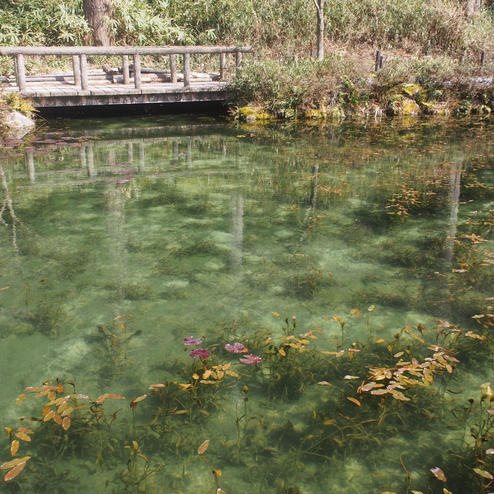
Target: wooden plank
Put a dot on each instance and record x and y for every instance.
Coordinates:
(186, 70)
(125, 69)
(173, 68)
(84, 75)
(222, 65)
(20, 72)
(76, 65)
(137, 71)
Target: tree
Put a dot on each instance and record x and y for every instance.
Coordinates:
(320, 29)
(97, 14)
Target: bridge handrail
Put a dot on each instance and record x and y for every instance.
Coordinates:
(79, 59)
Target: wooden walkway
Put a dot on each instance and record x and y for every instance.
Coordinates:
(123, 85)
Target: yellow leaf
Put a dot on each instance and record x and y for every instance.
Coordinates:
(439, 474)
(13, 463)
(203, 447)
(380, 340)
(324, 383)
(195, 376)
(23, 436)
(354, 400)
(445, 491)
(282, 352)
(14, 447)
(66, 423)
(276, 314)
(181, 412)
(206, 374)
(329, 422)
(14, 472)
(20, 399)
(355, 312)
(135, 445)
(483, 473)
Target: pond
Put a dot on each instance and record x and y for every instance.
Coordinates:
(191, 306)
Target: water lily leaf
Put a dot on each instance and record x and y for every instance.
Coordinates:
(483, 473)
(439, 474)
(203, 447)
(12, 474)
(354, 400)
(14, 447)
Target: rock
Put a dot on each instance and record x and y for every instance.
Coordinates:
(16, 124)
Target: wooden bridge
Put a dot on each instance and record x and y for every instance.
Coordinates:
(128, 83)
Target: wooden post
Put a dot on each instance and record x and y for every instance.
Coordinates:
(76, 67)
(238, 59)
(378, 58)
(482, 59)
(186, 70)
(125, 69)
(381, 61)
(222, 66)
(20, 72)
(173, 68)
(137, 71)
(84, 75)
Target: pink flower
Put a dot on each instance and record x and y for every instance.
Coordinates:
(235, 348)
(251, 359)
(191, 341)
(199, 353)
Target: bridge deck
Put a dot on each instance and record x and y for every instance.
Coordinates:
(57, 94)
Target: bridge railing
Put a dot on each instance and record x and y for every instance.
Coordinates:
(79, 56)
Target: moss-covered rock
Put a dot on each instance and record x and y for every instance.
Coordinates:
(251, 114)
(401, 105)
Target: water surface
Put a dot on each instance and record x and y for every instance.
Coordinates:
(121, 238)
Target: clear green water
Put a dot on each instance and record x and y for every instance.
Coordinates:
(121, 238)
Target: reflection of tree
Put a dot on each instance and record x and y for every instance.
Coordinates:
(454, 195)
(8, 205)
(238, 231)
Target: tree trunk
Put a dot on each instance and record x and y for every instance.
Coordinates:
(320, 29)
(97, 13)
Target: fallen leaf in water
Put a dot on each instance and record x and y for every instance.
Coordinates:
(203, 447)
(66, 423)
(13, 463)
(351, 377)
(14, 472)
(14, 447)
(439, 474)
(353, 400)
(483, 473)
(324, 383)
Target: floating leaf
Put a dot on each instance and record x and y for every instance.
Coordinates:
(20, 399)
(135, 445)
(14, 447)
(206, 374)
(353, 400)
(282, 352)
(416, 492)
(13, 463)
(446, 491)
(12, 474)
(355, 312)
(351, 377)
(110, 396)
(483, 473)
(276, 314)
(324, 383)
(203, 447)
(380, 340)
(57, 419)
(439, 474)
(329, 422)
(157, 386)
(180, 412)
(23, 436)
(66, 423)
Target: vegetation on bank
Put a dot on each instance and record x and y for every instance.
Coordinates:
(437, 45)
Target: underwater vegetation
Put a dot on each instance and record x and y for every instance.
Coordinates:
(359, 397)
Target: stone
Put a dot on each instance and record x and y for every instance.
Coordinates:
(16, 124)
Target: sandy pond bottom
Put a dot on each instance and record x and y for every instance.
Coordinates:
(355, 261)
